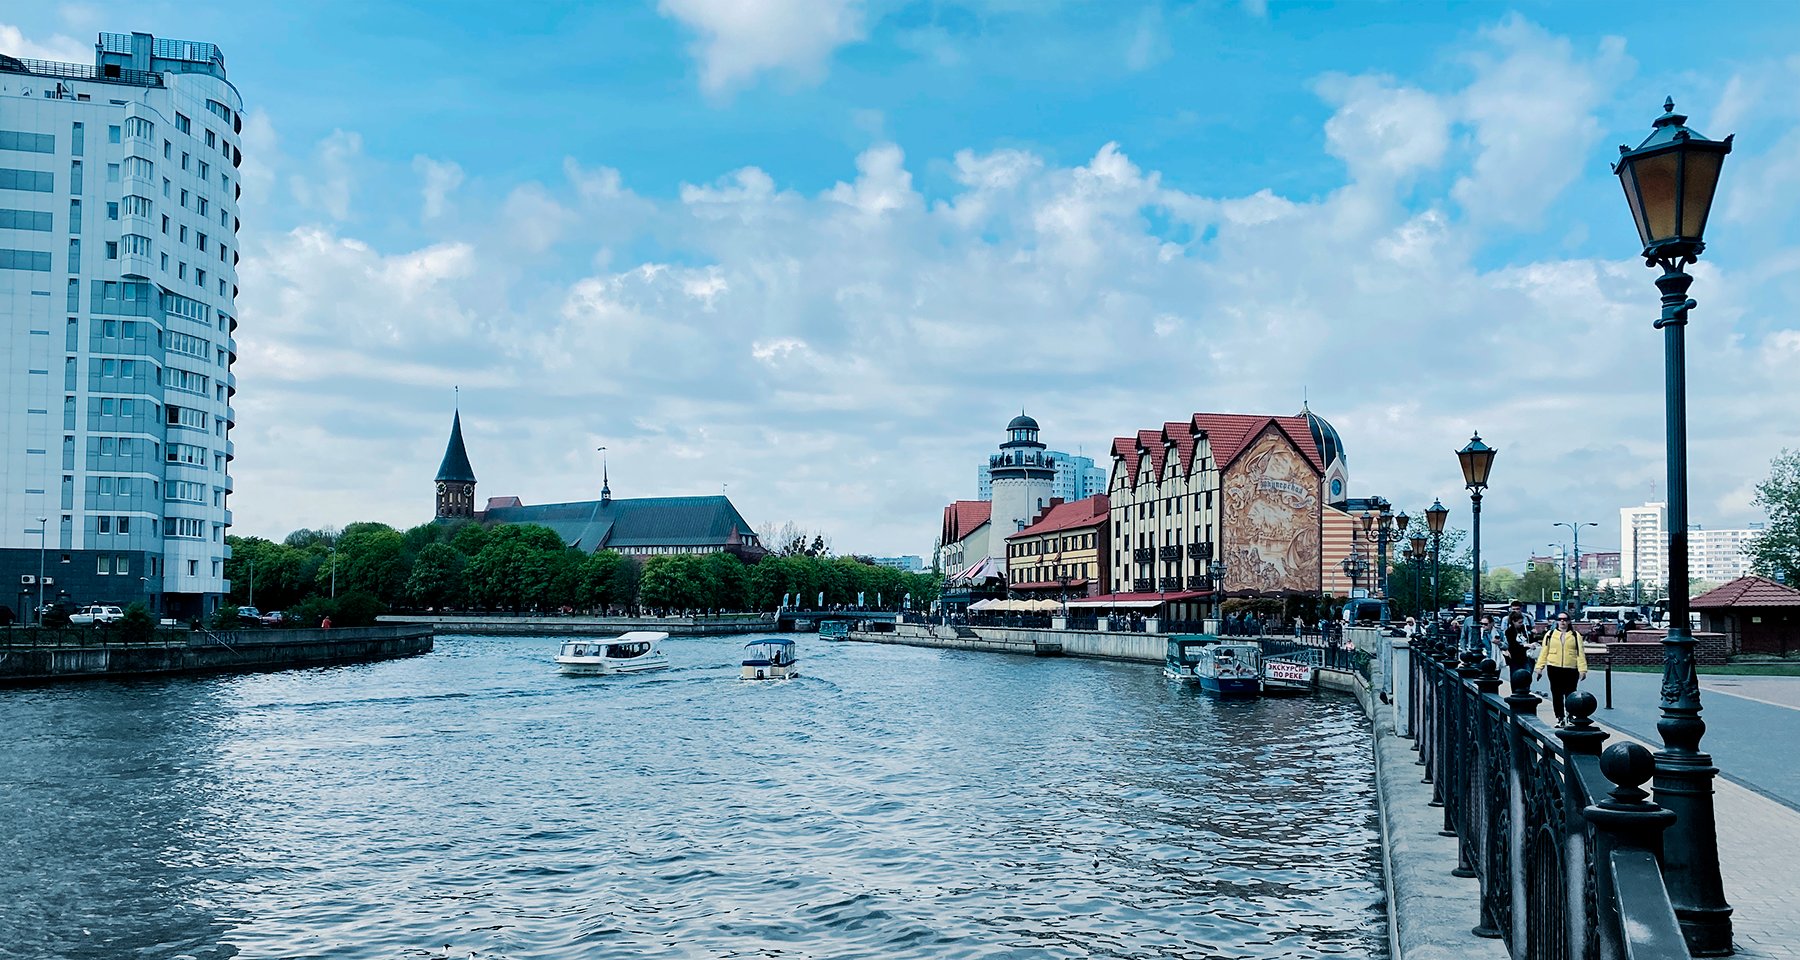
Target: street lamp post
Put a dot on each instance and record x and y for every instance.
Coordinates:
(1575, 528)
(1354, 565)
(1435, 515)
(1417, 542)
(1382, 531)
(43, 542)
(1669, 182)
(1477, 460)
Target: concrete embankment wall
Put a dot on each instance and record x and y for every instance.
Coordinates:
(242, 650)
(584, 626)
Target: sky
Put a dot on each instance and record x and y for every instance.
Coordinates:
(816, 253)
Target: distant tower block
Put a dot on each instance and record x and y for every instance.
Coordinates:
(455, 478)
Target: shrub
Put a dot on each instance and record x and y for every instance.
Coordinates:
(137, 626)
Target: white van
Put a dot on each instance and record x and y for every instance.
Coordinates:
(1609, 614)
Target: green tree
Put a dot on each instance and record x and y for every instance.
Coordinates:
(1775, 552)
(137, 625)
(596, 579)
(469, 538)
(371, 558)
(1538, 584)
(622, 587)
(436, 579)
(516, 569)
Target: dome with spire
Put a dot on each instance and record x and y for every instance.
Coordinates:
(1324, 435)
(1022, 422)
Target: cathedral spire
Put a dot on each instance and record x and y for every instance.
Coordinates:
(605, 484)
(456, 458)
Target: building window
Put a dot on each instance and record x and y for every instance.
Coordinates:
(75, 177)
(122, 564)
(104, 524)
(112, 250)
(103, 566)
(182, 124)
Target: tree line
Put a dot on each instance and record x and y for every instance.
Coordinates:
(366, 569)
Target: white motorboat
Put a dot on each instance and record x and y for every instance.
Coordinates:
(633, 652)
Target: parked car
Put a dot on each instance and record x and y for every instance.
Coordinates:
(96, 614)
(274, 618)
(250, 616)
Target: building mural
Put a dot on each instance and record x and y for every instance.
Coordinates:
(1271, 518)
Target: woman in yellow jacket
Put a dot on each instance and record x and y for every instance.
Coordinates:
(1564, 656)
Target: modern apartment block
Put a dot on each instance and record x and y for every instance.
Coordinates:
(1077, 478)
(1715, 556)
(118, 285)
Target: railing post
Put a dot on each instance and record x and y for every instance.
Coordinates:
(1466, 706)
(1627, 821)
(1523, 704)
(1581, 741)
(1484, 813)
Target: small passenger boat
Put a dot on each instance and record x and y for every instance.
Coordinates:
(834, 630)
(633, 652)
(1230, 669)
(1183, 657)
(771, 658)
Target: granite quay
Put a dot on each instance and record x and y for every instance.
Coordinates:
(34, 655)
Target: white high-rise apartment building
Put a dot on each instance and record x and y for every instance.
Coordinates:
(118, 284)
(1077, 478)
(1715, 556)
(1644, 545)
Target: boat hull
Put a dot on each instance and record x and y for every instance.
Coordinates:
(600, 667)
(769, 671)
(1231, 686)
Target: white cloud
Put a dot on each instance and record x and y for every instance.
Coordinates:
(1532, 109)
(55, 47)
(438, 179)
(737, 40)
(331, 178)
(1384, 131)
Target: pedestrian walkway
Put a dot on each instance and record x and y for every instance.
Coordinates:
(1751, 729)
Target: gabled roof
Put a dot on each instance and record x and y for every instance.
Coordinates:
(642, 522)
(1747, 592)
(1150, 442)
(961, 518)
(456, 459)
(1230, 433)
(1068, 516)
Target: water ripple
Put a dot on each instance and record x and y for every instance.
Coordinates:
(891, 803)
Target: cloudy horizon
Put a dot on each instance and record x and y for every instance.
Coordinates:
(818, 254)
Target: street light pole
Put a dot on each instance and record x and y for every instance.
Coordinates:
(1575, 528)
(43, 543)
(1669, 182)
(1477, 460)
(1435, 515)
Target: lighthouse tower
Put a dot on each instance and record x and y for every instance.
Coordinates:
(1023, 480)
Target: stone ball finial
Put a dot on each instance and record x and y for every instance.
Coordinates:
(1627, 764)
(1581, 705)
(1521, 679)
(1489, 670)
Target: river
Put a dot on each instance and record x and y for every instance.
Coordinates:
(894, 802)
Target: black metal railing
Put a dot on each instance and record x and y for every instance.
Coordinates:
(1333, 655)
(1199, 583)
(1143, 554)
(1170, 584)
(82, 71)
(1143, 585)
(1201, 550)
(1086, 622)
(1170, 553)
(1565, 844)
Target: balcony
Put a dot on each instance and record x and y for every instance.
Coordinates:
(1201, 550)
(1171, 553)
(1199, 583)
(1143, 555)
(1171, 584)
(1143, 585)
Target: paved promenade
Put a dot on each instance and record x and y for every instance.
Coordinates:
(1752, 727)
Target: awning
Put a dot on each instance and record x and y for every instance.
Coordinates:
(1136, 601)
(1013, 606)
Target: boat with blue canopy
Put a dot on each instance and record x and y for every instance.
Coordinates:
(1227, 669)
(771, 658)
(834, 630)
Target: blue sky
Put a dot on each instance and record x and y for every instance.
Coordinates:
(821, 250)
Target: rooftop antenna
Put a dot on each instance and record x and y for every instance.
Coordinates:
(456, 398)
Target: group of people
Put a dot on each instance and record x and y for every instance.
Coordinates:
(1558, 653)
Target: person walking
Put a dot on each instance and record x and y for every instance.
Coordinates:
(1513, 652)
(1564, 657)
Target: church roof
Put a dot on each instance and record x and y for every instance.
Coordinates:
(643, 522)
(456, 459)
(963, 516)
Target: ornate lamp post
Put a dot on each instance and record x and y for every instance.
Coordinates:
(1354, 566)
(1435, 515)
(1417, 543)
(1477, 460)
(1669, 182)
(1382, 531)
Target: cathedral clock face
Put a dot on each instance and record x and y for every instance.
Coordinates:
(440, 488)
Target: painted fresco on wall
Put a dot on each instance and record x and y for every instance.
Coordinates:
(1271, 519)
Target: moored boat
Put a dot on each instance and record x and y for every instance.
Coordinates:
(834, 630)
(1230, 669)
(1183, 657)
(771, 658)
(633, 652)
(1295, 672)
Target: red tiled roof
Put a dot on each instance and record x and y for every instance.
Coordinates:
(1065, 516)
(963, 516)
(1748, 592)
(1150, 441)
(1230, 433)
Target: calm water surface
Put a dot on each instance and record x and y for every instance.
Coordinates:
(895, 802)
